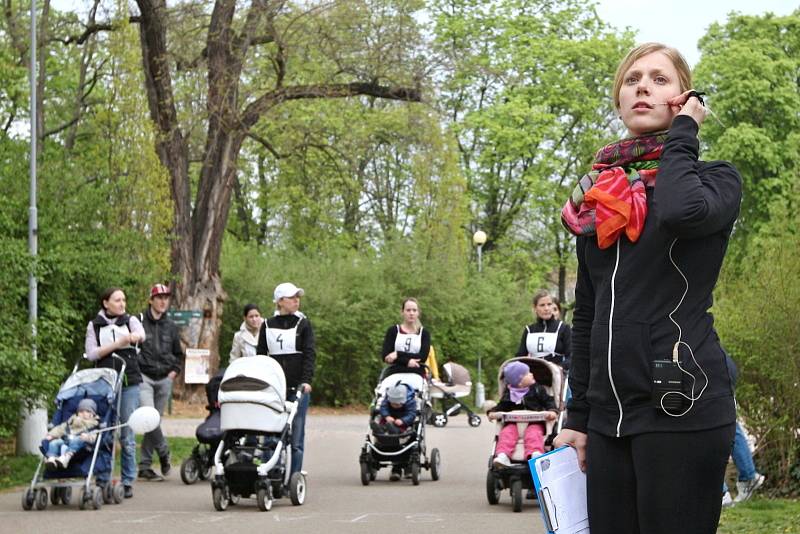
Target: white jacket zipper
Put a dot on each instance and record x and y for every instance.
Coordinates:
(610, 336)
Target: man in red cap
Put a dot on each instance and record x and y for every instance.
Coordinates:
(160, 362)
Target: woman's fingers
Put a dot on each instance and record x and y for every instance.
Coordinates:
(576, 440)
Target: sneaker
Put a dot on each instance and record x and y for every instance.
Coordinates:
(166, 467)
(727, 500)
(128, 491)
(502, 460)
(746, 488)
(149, 474)
(395, 476)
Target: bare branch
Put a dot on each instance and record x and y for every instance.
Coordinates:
(266, 144)
(93, 29)
(298, 92)
(62, 127)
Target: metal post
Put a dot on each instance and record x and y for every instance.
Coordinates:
(34, 422)
(480, 389)
(480, 255)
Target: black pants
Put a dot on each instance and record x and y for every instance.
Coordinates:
(658, 482)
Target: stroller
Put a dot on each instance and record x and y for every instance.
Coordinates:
(405, 450)
(457, 385)
(254, 455)
(518, 476)
(197, 466)
(103, 386)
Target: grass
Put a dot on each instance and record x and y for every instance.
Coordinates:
(16, 471)
(772, 516)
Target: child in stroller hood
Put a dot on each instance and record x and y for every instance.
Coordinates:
(397, 409)
(522, 393)
(70, 436)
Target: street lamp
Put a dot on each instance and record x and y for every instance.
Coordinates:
(479, 238)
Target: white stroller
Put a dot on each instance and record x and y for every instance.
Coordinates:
(254, 455)
(407, 450)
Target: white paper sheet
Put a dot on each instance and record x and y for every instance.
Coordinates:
(561, 487)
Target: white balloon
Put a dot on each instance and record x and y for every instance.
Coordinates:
(144, 420)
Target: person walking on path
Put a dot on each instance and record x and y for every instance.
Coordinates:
(406, 346)
(160, 362)
(245, 341)
(288, 337)
(113, 331)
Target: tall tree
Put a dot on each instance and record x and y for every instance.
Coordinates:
(240, 39)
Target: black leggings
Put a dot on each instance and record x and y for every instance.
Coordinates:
(660, 482)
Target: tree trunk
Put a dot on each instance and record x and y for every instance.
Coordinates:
(199, 228)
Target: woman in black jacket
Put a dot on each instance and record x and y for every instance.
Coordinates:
(652, 414)
(288, 338)
(406, 345)
(548, 337)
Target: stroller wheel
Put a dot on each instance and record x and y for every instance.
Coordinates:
(264, 499)
(516, 495)
(107, 490)
(97, 500)
(55, 496)
(66, 495)
(297, 488)
(474, 420)
(414, 467)
(220, 499)
(492, 487)
(118, 493)
(436, 464)
(27, 499)
(439, 420)
(365, 474)
(205, 473)
(41, 499)
(373, 474)
(190, 470)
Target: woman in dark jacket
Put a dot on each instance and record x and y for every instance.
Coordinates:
(113, 331)
(652, 414)
(548, 337)
(406, 345)
(288, 338)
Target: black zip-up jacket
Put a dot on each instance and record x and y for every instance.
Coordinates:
(625, 293)
(298, 367)
(161, 351)
(537, 399)
(563, 341)
(400, 365)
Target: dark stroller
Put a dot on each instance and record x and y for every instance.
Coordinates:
(103, 386)
(517, 476)
(197, 466)
(457, 385)
(405, 450)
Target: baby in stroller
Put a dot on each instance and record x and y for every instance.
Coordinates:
(522, 393)
(199, 463)
(255, 453)
(72, 435)
(399, 443)
(531, 393)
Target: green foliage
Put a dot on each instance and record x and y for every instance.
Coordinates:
(758, 306)
(776, 516)
(749, 66)
(353, 297)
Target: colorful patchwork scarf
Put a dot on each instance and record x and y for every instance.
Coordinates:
(611, 198)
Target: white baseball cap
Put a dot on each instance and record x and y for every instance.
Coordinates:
(287, 289)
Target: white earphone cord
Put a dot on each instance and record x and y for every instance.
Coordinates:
(678, 343)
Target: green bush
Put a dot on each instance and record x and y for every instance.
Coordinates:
(352, 297)
(757, 316)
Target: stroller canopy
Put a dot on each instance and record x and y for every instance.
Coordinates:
(256, 380)
(100, 381)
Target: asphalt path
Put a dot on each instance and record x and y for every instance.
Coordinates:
(336, 501)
